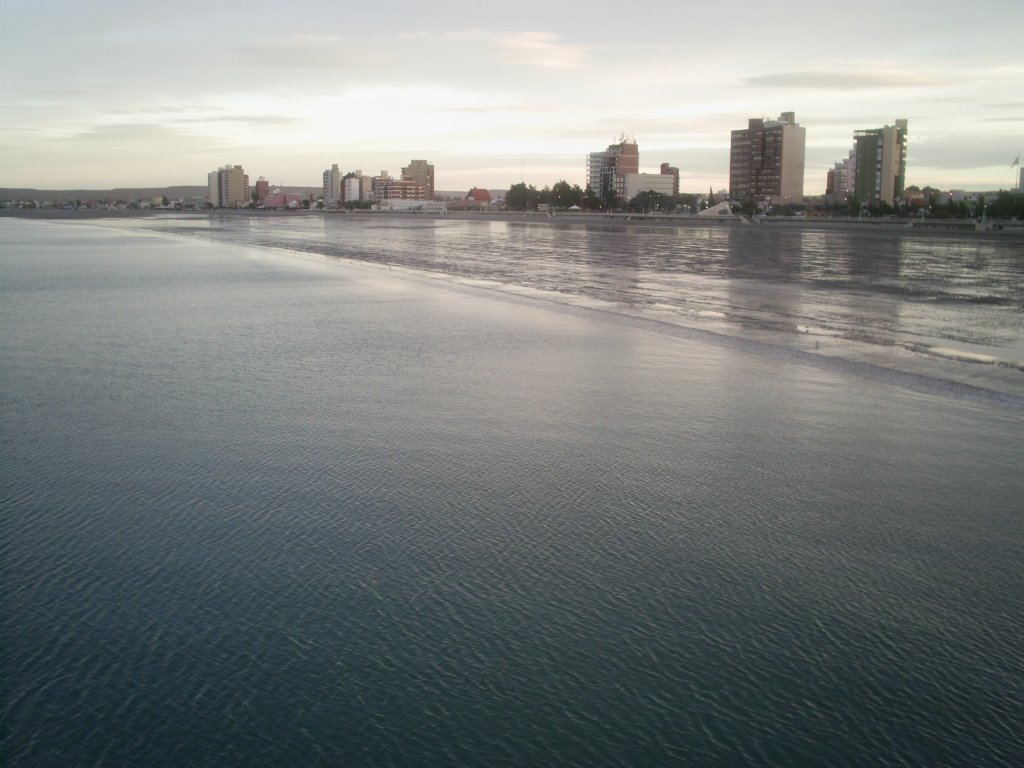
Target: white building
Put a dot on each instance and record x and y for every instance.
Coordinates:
(332, 187)
(844, 176)
(635, 183)
(413, 206)
(356, 187)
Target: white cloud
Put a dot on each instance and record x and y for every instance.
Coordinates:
(847, 80)
(543, 49)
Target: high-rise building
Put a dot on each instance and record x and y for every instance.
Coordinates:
(262, 190)
(607, 170)
(421, 172)
(669, 170)
(881, 157)
(332, 187)
(839, 182)
(766, 160)
(387, 188)
(227, 187)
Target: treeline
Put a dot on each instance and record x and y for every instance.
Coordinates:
(1002, 205)
(563, 196)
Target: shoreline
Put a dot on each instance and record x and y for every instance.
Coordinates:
(594, 221)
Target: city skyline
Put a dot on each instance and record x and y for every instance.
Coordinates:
(121, 96)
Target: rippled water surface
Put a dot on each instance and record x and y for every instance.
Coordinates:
(266, 508)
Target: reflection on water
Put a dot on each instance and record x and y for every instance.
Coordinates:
(938, 304)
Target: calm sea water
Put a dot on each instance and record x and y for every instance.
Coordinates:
(265, 508)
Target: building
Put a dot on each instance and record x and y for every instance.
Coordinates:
(387, 188)
(606, 171)
(227, 187)
(350, 188)
(881, 157)
(280, 199)
(839, 181)
(332, 187)
(421, 172)
(357, 187)
(662, 183)
(477, 199)
(262, 190)
(766, 160)
(669, 170)
(414, 206)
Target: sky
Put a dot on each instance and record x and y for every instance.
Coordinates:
(96, 95)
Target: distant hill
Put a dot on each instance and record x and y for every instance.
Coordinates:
(122, 193)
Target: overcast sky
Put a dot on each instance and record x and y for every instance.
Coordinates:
(109, 94)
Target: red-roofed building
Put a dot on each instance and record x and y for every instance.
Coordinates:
(476, 199)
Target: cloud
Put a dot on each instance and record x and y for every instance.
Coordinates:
(256, 120)
(534, 48)
(852, 80)
(309, 52)
(543, 49)
(953, 153)
(124, 133)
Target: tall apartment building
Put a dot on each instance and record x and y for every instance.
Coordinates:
(839, 182)
(766, 160)
(670, 170)
(387, 188)
(262, 190)
(421, 172)
(355, 187)
(607, 170)
(227, 187)
(332, 187)
(881, 163)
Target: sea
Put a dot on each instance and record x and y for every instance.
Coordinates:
(342, 490)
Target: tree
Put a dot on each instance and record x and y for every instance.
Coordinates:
(610, 199)
(521, 198)
(1007, 205)
(652, 201)
(590, 201)
(564, 196)
(688, 201)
